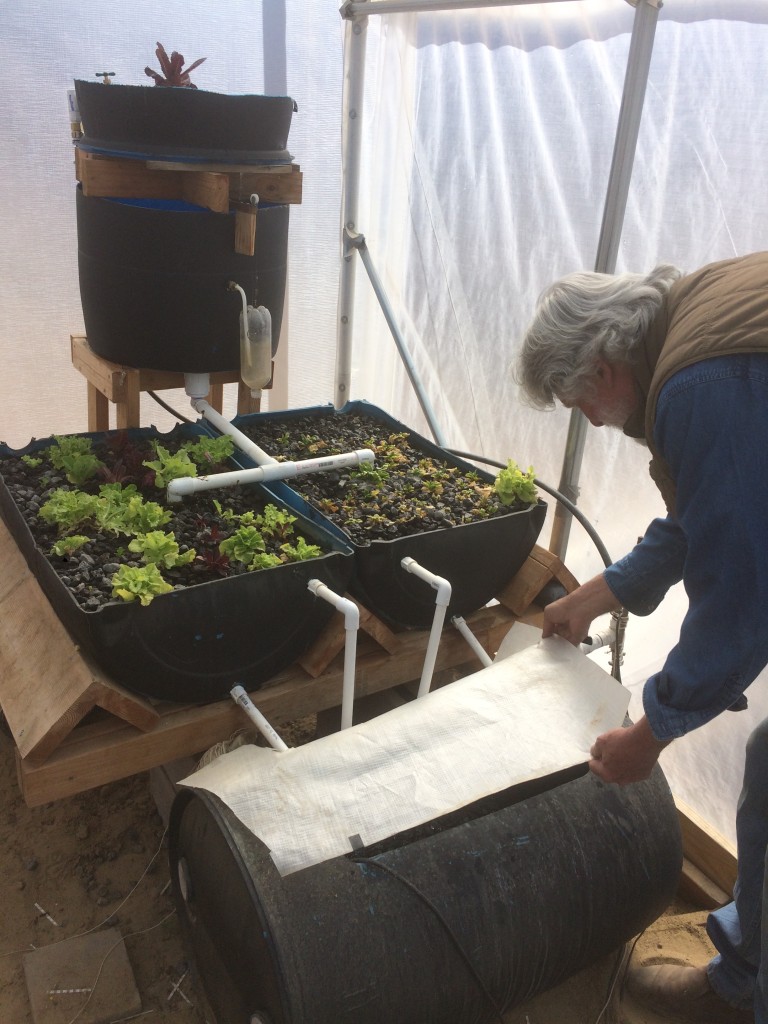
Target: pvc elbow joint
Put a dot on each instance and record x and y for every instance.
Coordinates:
(438, 583)
(341, 604)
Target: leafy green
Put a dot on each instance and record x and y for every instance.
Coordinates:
(144, 582)
(512, 485)
(68, 545)
(67, 509)
(73, 455)
(300, 551)
(158, 548)
(170, 466)
(244, 544)
(210, 451)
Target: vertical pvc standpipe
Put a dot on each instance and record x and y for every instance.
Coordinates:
(351, 626)
(627, 129)
(472, 640)
(442, 600)
(356, 30)
(239, 696)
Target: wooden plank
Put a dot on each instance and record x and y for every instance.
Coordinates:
(127, 179)
(274, 188)
(46, 686)
(133, 179)
(246, 402)
(540, 567)
(106, 377)
(206, 189)
(99, 752)
(695, 888)
(245, 229)
(706, 848)
(334, 639)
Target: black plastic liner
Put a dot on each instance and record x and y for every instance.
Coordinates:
(193, 645)
(154, 275)
(533, 892)
(169, 123)
(479, 559)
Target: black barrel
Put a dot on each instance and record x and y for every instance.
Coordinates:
(153, 281)
(532, 892)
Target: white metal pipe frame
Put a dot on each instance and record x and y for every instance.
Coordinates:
(356, 14)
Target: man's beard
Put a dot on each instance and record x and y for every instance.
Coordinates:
(617, 413)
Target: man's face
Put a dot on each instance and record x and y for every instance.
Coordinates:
(613, 397)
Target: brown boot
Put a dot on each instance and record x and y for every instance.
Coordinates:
(683, 994)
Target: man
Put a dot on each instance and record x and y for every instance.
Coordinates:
(682, 362)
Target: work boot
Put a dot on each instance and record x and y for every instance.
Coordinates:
(683, 994)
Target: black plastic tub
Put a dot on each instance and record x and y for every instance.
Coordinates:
(194, 644)
(531, 893)
(478, 558)
(153, 280)
(148, 122)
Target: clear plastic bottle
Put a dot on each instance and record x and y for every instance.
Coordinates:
(256, 348)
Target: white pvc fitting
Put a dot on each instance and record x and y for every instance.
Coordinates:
(239, 696)
(442, 600)
(442, 586)
(197, 385)
(182, 486)
(351, 624)
(472, 640)
(245, 444)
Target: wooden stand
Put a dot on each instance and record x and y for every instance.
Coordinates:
(122, 385)
(48, 687)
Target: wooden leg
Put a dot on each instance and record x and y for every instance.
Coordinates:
(128, 412)
(98, 409)
(246, 403)
(215, 396)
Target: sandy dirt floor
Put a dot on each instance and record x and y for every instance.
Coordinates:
(99, 860)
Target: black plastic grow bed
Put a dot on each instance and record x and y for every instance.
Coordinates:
(478, 558)
(193, 645)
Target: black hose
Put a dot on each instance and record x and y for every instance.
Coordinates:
(573, 509)
(168, 408)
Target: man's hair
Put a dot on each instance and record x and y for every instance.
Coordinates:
(582, 318)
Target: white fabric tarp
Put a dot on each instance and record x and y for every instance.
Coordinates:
(527, 716)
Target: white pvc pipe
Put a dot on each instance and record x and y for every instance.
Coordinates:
(602, 635)
(245, 444)
(182, 486)
(239, 696)
(442, 600)
(472, 640)
(351, 626)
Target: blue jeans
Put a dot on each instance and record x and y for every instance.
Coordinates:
(739, 930)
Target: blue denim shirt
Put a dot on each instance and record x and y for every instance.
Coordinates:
(712, 429)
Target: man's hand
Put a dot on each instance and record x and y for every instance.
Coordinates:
(626, 755)
(571, 616)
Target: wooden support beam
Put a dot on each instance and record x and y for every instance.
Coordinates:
(540, 567)
(706, 849)
(209, 185)
(245, 229)
(47, 686)
(334, 638)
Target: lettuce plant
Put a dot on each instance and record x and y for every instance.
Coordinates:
(144, 582)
